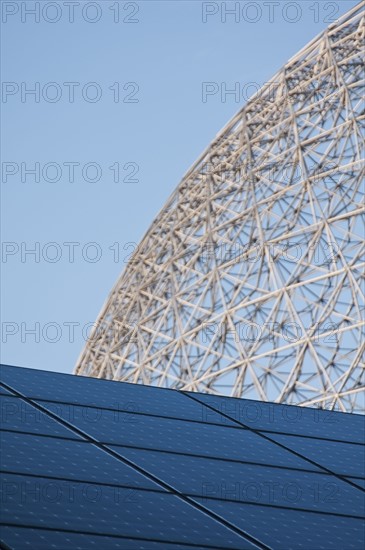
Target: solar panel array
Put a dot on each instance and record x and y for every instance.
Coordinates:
(90, 463)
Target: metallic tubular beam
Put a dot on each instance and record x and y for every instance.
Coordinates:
(250, 281)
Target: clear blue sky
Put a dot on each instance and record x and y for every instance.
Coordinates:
(168, 52)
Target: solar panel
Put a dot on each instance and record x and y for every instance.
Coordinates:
(59, 458)
(284, 529)
(226, 480)
(107, 510)
(290, 419)
(113, 427)
(39, 539)
(105, 394)
(17, 415)
(356, 480)
(171, 473)
(4, 391)
(342, 458)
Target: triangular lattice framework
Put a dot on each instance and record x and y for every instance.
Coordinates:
(248, 282)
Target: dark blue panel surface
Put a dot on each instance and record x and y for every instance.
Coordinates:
(121, 396)
(77, 460)
(284, 529)
(176, 435)
(17, 415)
(358, 481)
(250, 483)
(342, 458)
(71, 493)
(288, 418)
(19, 538)
(4, 391)
(110, 511)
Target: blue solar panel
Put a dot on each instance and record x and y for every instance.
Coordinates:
(17, 415)
(285, 529)
(342, 458)
(171, 473)
(357, 481)
(4, 391)
(19, 538)
(228, 480)
(78, 460)
(110, 511)
(98, 393)
(175, 435)
(287, 418)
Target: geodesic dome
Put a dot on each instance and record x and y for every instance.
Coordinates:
(249, 281)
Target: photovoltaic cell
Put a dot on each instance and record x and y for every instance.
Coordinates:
(288, 418)
(19, 538)
(107, 394)
(175, 435)
(75, 460)
(341, 458)
(358, 481)
(17, 415)
(218, 479)
(294, 529)
(66, 484)
(110, 511)
(4, 391)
